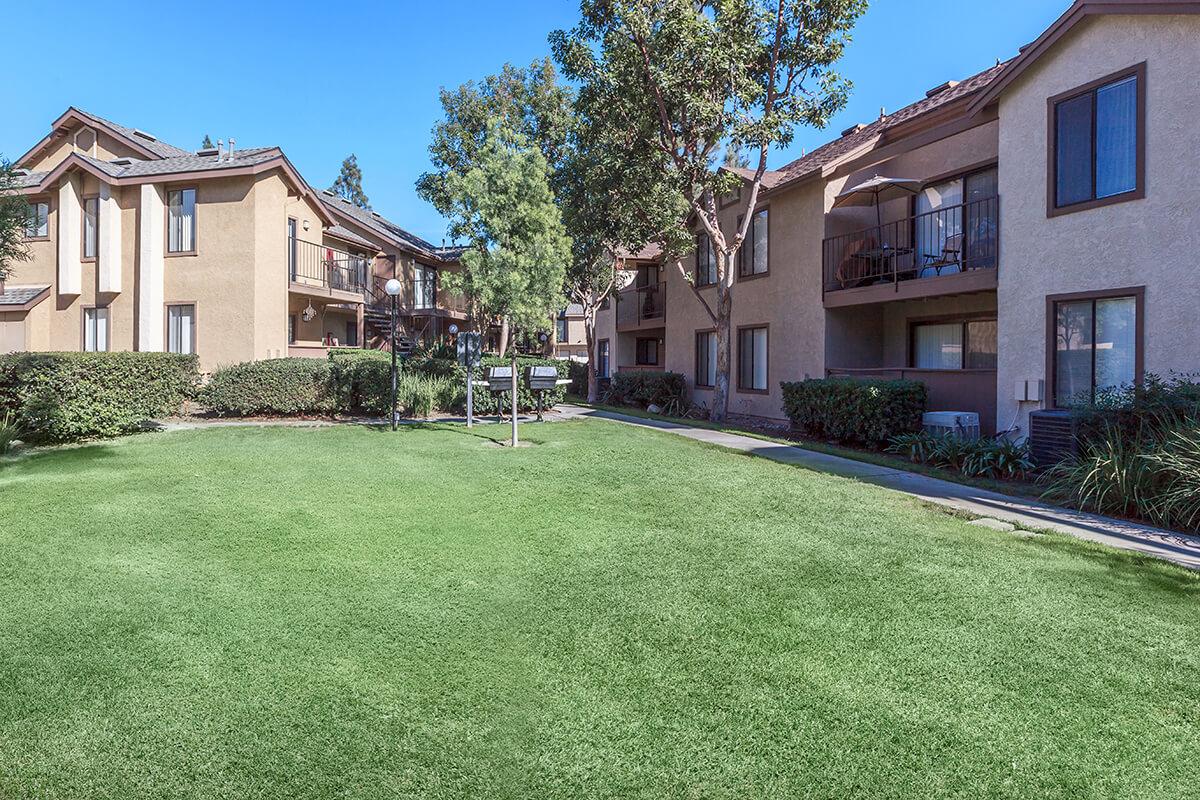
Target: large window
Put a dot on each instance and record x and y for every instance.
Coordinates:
(646, 354)
(37, 224)
(602, 358)
(181, 221)
(706, 359)
(1097, 346)
(561, 330)
(1096, 154)
(706, 261)
(91, 220)
(956, 228)
(424, 287)
(969, 344)
(181, 329)
(95, 329)
(754, 256)
(752, 359)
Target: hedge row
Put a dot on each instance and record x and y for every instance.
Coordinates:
(279, 386)
(62, 397)
(869, 412)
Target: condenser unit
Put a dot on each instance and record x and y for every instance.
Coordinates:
(964, 424)
(1052, 436)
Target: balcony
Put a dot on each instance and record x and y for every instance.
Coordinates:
(323, 271)
(642, 307)
(422, 297)
(951, 250)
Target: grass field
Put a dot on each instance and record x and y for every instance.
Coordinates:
(612, 612)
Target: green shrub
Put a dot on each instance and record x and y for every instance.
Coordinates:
(1176, 501)
(422, 395)
(62, 397)
(979, 458)
(485, 401)
(869, 412)
(280, 386)
(10, 432)
(667, 390)
(362, 380)
(577, 371)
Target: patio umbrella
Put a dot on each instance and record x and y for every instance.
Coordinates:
(875, 191)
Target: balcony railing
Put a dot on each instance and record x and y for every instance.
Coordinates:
(313, 264)
(420, 297)
(638, 305)
(946, 241)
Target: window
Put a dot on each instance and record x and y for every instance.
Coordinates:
(425, 287)
(647, 352)
(706, 261)
(1097, 346)
(351, 339)
(602, 358)
(706, 359)
(181, 221)
(291, 328)
(95, 329)
(752, 359)
(293, 248)
(561, 325)
(754, 253)
(956, 228)
(969, 344)
(37, 225)
(181, 329)
(91, 216)
(1096, 142)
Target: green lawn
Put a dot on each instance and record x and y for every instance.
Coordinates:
(613, 612)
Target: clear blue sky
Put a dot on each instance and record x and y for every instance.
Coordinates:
(323, 80)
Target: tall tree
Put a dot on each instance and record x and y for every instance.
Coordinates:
(502, 206)
(349, 183)
(207, 144)
(690, 75)
(14, 220)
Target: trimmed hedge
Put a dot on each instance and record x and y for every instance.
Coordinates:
(63, 397)
(362, 380)
(278, 386)
(869, 412)
(667, 390)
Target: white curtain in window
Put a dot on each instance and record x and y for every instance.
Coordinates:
(1116, 138)
(181, 324)
(91, 208)
(760, 242)
(760, 358)
(939, 346)
(181, 223)
(1116, 342)
(423, 290)
(933, 229)
(95, 329)
(39, 215)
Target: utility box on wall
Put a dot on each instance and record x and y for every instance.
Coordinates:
(1029, 391)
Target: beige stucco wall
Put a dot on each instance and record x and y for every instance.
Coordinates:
(1150, 242)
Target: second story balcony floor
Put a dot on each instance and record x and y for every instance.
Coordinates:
(326, 271)
(642, 306)
(951, 249)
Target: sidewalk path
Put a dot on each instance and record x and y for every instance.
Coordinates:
(1024, 514)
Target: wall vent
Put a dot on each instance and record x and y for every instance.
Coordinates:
(149, 136)
(941, 88)
(853, 129)
(208, 151)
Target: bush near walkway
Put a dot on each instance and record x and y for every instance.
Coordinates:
(283, 386)
(63, 397)
(870, 412)
(667, 390)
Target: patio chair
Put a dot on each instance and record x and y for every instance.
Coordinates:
(854, 269)
(947, 262)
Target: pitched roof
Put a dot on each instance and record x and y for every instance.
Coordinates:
(188, 162)
(24, 179)
(148, 141)
(347, 235)
(21, 295)
(390, 231)
(862, 137)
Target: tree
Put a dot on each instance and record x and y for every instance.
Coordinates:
(690, 75)
(501, 204)
(349, 183)
(207, 144)
(14, 218)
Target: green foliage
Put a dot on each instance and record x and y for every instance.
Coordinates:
(207, 144)
(14, 216)
(577, 371)
(362, 380)
(10, 432)
(869, 412)
(978, 458)
(349, 183)
(279, 386)
(62, 397)
(667, 390)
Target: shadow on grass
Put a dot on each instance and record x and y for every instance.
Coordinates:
(63, 459)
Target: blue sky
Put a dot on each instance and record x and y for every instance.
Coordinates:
(323, 80)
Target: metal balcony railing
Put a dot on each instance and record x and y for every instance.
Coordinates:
(638, 305)
(313, 264)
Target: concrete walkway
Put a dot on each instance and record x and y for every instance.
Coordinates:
(1027, 515)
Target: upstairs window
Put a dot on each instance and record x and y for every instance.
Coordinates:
(91, 219)
(706, 261)
(1097, 147)
(424, 287)
(562, 331)
(181, 221)
(37, 224)
(754, 253)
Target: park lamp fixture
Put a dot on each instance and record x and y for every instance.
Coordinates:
(393, 287)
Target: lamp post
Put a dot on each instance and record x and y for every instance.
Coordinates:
(392, 287)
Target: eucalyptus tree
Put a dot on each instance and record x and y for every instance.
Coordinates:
(14, 222)
(691, 76)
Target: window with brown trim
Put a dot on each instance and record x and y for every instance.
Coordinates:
(646, 353)
(37, 222)
(1096, 344)
(181, 221)
(752, 359)
(1097, 147)
(95, 329)
(181, 329)
(91, 228)
(753, 260)
(602, 358)
(706, 359)
(706, 261)
(954, 344)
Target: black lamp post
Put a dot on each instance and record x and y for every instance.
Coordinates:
(392, 287)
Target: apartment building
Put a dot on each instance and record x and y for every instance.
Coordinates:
(1030, 247)
(228, 253)
(570, 337)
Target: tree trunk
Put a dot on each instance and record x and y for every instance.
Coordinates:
(513, 353)
(503, 336)
(723, 314)
(593, 379)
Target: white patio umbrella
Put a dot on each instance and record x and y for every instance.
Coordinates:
(875, 191)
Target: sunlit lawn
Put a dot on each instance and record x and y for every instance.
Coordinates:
(612, 612)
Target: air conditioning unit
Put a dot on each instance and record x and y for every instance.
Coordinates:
(1052, 436)
(964, 424)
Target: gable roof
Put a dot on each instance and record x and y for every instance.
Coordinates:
(390, 231)
(141, 142)
(1079, 11)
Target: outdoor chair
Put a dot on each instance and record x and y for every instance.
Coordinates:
(947, 262)
(854, 268)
